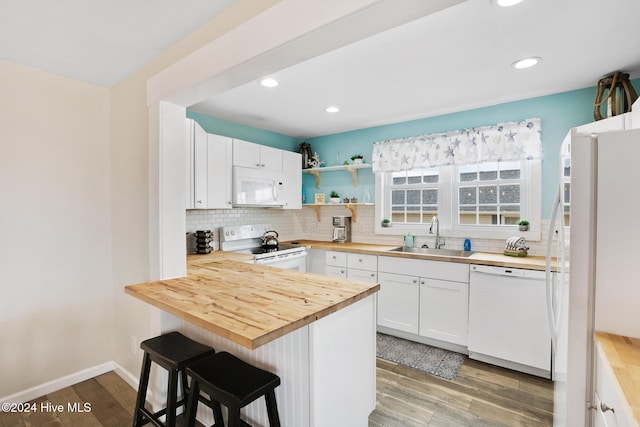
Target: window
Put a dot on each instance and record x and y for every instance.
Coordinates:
(413, 196)
(489, 193)
(484, 200)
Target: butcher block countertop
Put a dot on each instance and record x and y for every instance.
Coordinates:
(623, 354)
(249, 304)
(485, 258)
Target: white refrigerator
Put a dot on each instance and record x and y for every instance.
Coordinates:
(597, 287)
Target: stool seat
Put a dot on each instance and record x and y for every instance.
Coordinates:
(233, 383)
(174, 352)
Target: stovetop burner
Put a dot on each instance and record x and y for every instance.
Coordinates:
(247, 239)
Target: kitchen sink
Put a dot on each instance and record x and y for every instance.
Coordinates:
(433, 251)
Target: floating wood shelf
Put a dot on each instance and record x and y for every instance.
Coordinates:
(353, 207)
(352, 169)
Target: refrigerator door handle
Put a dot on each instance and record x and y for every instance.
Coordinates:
(551, 315)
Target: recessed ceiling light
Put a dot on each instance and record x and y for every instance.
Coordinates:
(525, 62)
(332, 109)
(507, 3)
(269, 82)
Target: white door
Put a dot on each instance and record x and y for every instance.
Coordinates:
(398, 301)
(219, 172)
(444, 310)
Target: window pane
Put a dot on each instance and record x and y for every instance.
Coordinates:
(413, 197)
(510, 193)
(430, 196)
(399, 178)
(467, 196)
(468, 173)
(488, 194)
(509, 170)
(398, 197)
(488, 171)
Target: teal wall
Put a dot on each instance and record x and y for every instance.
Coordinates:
(247, 133)
(559, 113)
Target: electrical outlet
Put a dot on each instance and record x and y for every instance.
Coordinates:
(134, 344)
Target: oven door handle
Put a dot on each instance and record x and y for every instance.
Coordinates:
(283, 257)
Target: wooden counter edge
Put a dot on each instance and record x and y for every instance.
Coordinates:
(495, 259)
(251, 344)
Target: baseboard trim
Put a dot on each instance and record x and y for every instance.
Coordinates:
(57, 384)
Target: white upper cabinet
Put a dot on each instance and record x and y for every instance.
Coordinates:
(208, 169)
(219, 176)
(251, 155)
(292, 180)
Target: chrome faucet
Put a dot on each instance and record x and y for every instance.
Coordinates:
(436, 221)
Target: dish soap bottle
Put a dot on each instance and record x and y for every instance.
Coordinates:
(408, 240)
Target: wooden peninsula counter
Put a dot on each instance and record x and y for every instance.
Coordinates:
(316, 332)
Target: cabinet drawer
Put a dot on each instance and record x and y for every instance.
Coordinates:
(338, 259)
(443, 270)
(336, 271)
(362, 262)
(366, 275)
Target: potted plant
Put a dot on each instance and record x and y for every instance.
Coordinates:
(386, 222)
(357, 159)
(523, 225)
(334, 197)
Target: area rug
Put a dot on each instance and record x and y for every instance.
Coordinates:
(436, 361)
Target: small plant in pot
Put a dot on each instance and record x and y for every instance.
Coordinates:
(334, 197)
(357, 159)
(523, 225)
(386, 222)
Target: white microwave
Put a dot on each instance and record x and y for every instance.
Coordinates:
(256, 188)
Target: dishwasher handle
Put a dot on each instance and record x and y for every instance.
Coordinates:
(520, 273)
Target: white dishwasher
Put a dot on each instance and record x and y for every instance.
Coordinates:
(508, 319)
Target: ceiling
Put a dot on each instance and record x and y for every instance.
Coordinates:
(96, 41)
(454, 60)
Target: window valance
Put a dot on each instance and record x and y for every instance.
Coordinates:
(501, 142)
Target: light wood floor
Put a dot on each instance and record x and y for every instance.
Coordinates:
(481, 395)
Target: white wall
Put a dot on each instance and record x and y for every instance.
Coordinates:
(55, 228)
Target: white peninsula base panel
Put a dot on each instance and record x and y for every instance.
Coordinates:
(327, 370)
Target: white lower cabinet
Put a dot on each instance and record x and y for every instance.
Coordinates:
(366, 275)
(332, 270)
(424, 297)
(444, 310)
(612, 409)
(398, 302)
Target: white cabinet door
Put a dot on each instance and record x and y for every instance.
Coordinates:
(365, 275)
(336, 271)
(252, 155)
(444, 310)
(199, 166)
(613, 409)
(219, 152)
(398, 301)
(271, 159)
(292, 180)
(337, 259)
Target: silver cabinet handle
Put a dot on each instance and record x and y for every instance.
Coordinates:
(415, 280)
(422, 282)
(334, 257)
(604, 408)
(373, 274)
(341, 271)
(360, 260)
(261, 165)
(199, 201)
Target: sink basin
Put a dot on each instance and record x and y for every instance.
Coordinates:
(433, 251)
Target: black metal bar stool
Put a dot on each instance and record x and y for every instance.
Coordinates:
(173, 351)
(234, 384)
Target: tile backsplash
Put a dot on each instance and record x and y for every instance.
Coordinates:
(303, 224)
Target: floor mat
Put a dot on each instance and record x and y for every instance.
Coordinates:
(433, 360)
